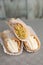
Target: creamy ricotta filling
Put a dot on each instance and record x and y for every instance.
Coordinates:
(12, 45)
(32, 43)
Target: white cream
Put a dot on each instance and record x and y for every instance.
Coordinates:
(32, 43)
(29, 43)
(12, 45)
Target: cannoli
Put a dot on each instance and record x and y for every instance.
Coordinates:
(19, 28)
(11, 44)
(33, 43)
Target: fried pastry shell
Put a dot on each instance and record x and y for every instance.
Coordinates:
(33, 42)
(19, 28)
(11, 44)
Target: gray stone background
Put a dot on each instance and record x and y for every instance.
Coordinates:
(21, 8)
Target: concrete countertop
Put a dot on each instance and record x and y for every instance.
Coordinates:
(25, 58)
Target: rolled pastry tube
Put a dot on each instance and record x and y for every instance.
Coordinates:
(19, 28)
(33, 42)
(10, 42)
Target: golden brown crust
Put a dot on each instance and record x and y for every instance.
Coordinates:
(3, 36)
(26, 47)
